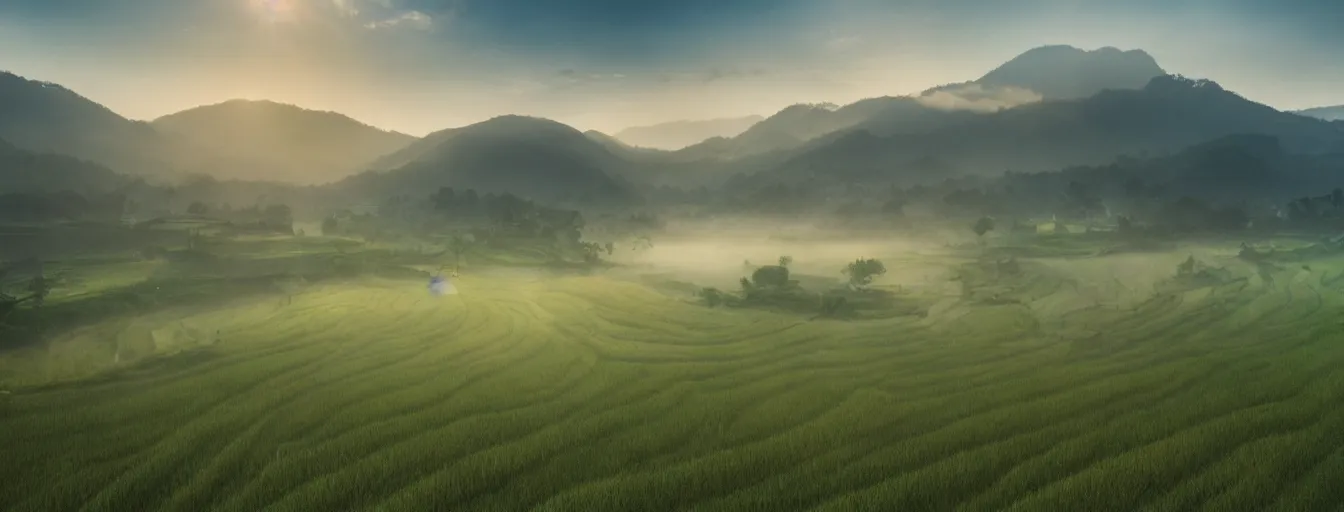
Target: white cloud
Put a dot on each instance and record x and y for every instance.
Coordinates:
(410, 19)
(976, 97)
(345, 8)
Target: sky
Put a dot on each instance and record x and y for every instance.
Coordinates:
(418, 66)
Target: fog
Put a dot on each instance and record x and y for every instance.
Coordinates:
(720, 257)
(978, 98)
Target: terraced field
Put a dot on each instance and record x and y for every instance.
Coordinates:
(590, 393)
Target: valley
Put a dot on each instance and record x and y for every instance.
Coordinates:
(1079, 282)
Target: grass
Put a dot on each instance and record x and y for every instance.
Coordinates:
(536, 391)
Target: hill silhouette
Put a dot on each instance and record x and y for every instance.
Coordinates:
(1335, 113)
(785, 129)
(1049, 73)
(244, 139)
(1167, 115)
(894, 138)
(531, 157)
(29, 172)
(1065, 72)
(47, 118)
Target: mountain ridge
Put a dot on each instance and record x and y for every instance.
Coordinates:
(276, 141)
(1087, 73)
(1068, 72)
(532, 157)
(1331, 113)
(673, 135)
(44, 117)
(1169, 114)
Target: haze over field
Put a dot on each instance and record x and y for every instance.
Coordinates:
(671, 255)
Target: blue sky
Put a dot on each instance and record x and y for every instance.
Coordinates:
(421, 65)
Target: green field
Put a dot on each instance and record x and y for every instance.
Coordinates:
(543, 391)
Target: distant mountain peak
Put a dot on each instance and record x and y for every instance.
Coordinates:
(273, 140)
(533, 157)
(811, 107)
(511, 125)
(244, 103)
(1335, 113)
(522, 120)
(680, 134)
(44, 117)
(1067, 72)
(1066, 49)
(241, 106)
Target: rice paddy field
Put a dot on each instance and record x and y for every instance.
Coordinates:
(536, 391)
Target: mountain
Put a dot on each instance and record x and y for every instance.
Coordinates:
(786, 129)
(1045, 73)
(264, 140)
(412, 152)
(627, 152)
(47, 118)
(1064, 72)
(530, 157)
(232, 140)
(1335, 113)
(679, 134)
(611, 143)
(28, 172)
(1167, 115)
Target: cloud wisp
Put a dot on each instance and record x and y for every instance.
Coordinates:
(410, 19)
(977, 97)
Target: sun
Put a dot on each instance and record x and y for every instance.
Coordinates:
(274, 10)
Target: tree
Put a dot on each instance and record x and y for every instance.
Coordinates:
(982, 226)
(1187, 267)
(1124, 226)
(747, 287)
(785, 261)
(278, 216)
(198, 208)
(862, 271)
(444, 199)
(611, 248)
(591, 252)
(713, 297)
(770, 276)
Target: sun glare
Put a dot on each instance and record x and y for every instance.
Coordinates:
(274, 10)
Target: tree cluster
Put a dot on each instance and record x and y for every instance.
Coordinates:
(863, 271)
(1317, 209)
(57, 206)
(508, 215)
